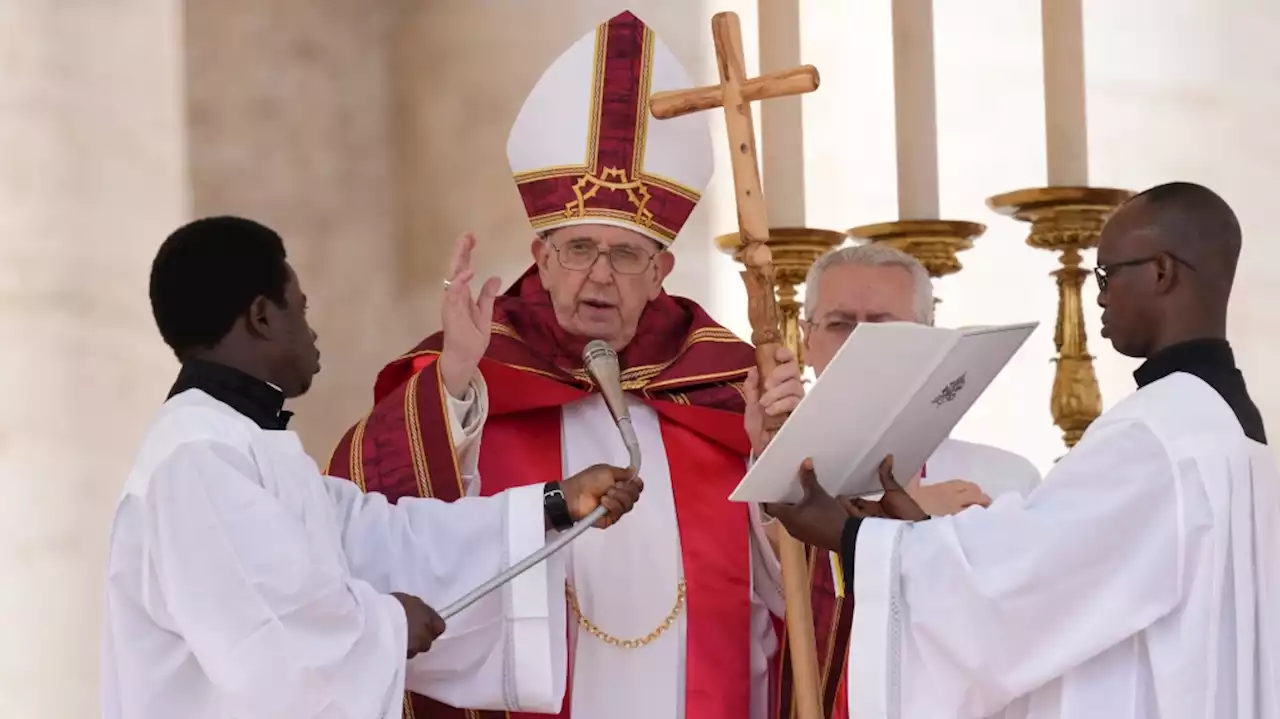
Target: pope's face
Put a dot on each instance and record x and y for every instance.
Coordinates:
(849, 294)
(600, 279)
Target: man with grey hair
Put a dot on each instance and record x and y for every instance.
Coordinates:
(877, 283)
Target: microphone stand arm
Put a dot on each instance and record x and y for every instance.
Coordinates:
(623, 419)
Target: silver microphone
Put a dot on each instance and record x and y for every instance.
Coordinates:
(601, 362)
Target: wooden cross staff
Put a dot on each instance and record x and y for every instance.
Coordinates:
(735, 93)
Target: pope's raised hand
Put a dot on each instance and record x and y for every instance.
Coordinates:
(465, 320)
(783, 390)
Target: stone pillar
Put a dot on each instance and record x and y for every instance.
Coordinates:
(93, 178)
(291, 124)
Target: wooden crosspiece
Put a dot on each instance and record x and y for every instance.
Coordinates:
(735, 93)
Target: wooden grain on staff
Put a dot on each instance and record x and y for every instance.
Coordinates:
(735, 93)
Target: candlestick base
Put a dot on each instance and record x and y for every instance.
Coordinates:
(1067, 220)
(794, 251)
(935, 243)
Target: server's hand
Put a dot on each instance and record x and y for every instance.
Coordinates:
(423, 622)
(817, 519)
(601, 484)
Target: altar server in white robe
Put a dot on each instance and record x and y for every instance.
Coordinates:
(243, 583)
(1142, 578)
(876, 283)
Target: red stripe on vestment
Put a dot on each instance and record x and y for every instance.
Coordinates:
(715, 545)
(620, 112)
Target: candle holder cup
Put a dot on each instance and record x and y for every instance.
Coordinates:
(935, 243)
(794, 250)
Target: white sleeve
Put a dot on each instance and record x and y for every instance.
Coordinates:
(466, 423)
(766, 568)
(1023, 477)
(281, 630)
(766, 602)
(958, 616)
(506, 651)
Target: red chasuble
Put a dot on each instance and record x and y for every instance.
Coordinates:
(690, 371)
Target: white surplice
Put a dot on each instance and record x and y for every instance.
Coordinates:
(626, 578)
(244, 584)
(1141, 580)
(995, 471)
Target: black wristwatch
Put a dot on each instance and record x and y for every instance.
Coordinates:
(556, 507)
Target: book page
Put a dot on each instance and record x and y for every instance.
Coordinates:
(894, 388)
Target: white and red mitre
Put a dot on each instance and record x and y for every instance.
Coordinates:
(585, 150)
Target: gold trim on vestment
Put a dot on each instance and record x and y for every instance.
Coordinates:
(835, 620)
(596, 107)
(642, 100)
(355, 454)
(413, 426)
(501, 329)
(636, 378)
(442, 391)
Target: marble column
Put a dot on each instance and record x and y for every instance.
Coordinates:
(92, 179)
(291, 124)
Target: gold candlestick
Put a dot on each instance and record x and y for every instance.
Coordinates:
(1067, 220)
(794, 249)
(935, 243)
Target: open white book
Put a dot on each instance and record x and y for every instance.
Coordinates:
(893, 388)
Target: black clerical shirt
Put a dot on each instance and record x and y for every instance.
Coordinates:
(1212, 361)
(259, 401)
(1209, 359)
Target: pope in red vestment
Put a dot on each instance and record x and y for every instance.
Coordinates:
(675, 612)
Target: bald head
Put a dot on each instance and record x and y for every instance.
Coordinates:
(1166, 262)
(1193, 223)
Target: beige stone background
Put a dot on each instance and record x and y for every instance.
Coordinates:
(371, 132)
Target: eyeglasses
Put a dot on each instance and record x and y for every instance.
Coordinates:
(582, 255)
(841, 324)
(836, 326)
(1102, 272)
